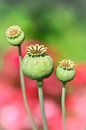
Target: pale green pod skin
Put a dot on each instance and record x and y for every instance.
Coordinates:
(65, 75)
(37, 67)
(16, 41)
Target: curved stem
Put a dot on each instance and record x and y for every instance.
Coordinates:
(24, 91)
(63, 105)
(41, 99)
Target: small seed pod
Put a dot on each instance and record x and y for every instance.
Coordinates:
(15, 35)
(65, 71)
(36, 63)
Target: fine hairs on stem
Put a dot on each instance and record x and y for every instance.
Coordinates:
(41, 100)
(63, 106)
(24, 91)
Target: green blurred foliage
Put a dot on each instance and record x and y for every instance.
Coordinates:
(52, 23)
(66, 33)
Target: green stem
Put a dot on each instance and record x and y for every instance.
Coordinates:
(24, 91)
(41, 99)
(63, 105)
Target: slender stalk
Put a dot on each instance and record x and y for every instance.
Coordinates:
(24, 91)
(63, 105)
(41, 99)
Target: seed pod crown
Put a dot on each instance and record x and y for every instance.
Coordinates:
(36, 50)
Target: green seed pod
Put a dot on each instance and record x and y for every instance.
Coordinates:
(15, 35)
(65, 71)
(36, 64)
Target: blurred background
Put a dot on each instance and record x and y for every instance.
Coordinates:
(61, 25)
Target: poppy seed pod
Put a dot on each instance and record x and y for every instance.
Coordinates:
(36, 63)
(15, 35)
(65, 71)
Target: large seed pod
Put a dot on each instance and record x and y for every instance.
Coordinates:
(36, 64)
